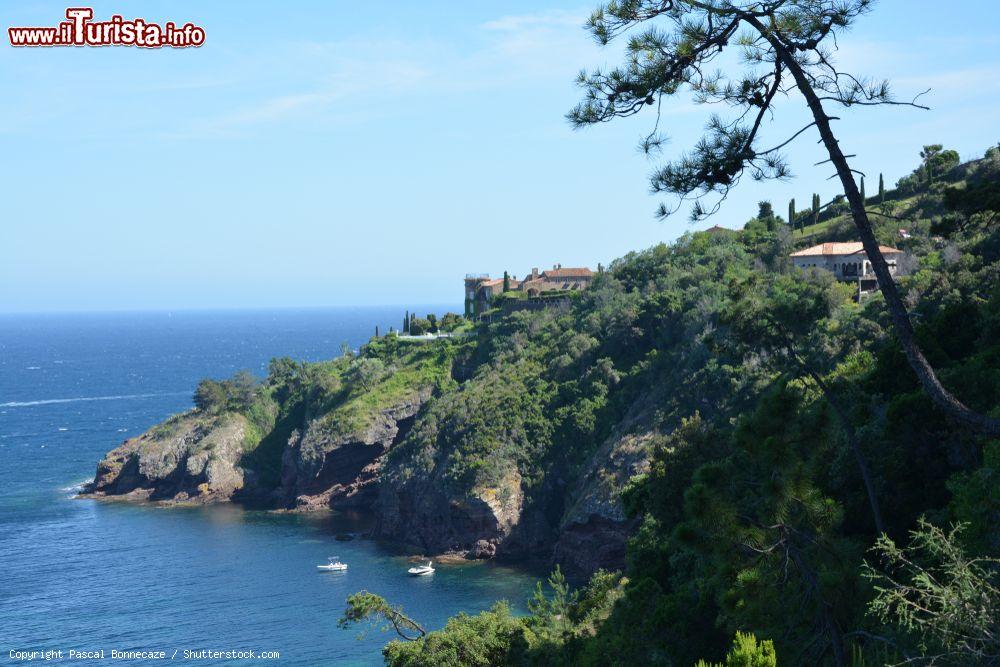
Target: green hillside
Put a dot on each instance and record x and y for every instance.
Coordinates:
(754, 389)
(705, 440)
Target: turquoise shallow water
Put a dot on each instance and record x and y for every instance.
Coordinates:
(89, 576)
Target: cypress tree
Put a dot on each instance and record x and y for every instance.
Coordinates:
(815, 208)
(376, 331)
(881, 189)
(406, 322)
(863, 197)
(506, 281)
(791, 214)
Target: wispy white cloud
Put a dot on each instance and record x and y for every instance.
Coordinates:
(921, 63)
(312, 80)
(544, 20)
(321, 78)
(972, 82)
(274, 108)
(240, 87)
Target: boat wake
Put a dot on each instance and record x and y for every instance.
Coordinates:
(123, 397)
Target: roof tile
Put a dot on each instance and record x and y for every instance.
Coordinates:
(850, 248)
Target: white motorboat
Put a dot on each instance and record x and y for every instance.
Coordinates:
(334, 565)
(421, 570)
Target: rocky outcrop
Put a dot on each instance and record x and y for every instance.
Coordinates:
(599, 543)
(574, 519)
(594, 529)
(194, 458)
(324, 468)
(440, 477)
(189, 458)
(419, 512)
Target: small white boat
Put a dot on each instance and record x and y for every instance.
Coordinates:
(421, 570)
(334, 565)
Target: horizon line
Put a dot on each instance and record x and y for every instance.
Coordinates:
(216, 309)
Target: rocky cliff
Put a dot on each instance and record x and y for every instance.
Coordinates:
(593, 530)
(322, 467)
(189, 458)
(500, 468)
(311, 437)
(496, 463)
(422, 513)
(193, 458)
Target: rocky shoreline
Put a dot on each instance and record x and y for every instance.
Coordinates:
(193, 461)
(323, 458)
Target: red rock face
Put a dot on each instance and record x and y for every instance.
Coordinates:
(419, 511)
(585, 548)
(323, 471)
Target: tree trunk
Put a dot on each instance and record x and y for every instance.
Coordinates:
(941, 397)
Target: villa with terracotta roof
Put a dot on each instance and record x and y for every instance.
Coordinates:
(480, 289)
(557, 278)
(847, 261)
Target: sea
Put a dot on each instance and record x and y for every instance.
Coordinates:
(210, 585)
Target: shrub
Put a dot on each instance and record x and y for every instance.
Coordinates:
(419, 326)
(210, 396)
(932, 591)
(747, 652)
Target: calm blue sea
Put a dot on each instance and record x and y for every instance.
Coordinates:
(88, 576)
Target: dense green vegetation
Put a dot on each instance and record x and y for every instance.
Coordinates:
(916, 201)
(784, 432)
(342, 396)
(449, 323)
(782, 46)
(771, 394)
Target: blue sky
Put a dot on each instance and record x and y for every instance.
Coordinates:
(329, 153)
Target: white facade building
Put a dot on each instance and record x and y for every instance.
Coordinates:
(847, 261)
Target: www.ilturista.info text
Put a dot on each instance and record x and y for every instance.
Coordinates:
(81, 30)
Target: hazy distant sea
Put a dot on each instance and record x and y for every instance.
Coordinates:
(87, 575)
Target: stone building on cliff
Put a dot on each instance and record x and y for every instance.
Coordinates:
(847, 261)
(481, 289)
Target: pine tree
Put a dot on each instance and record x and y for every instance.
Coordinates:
(671, 47)
(767, 496)
(881, 189)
